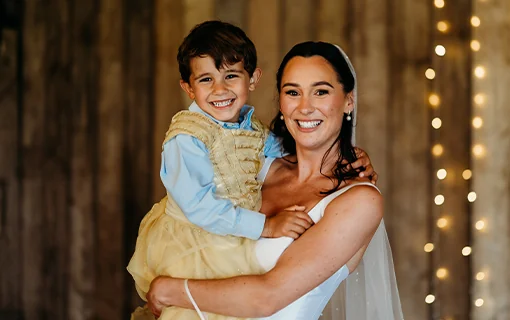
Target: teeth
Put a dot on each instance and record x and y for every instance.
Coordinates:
(223, 104)
(309, 124)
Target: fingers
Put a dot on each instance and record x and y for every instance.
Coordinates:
(375, 177)
(295, 208)
(360, 163)
(304, 219)
(369, 170)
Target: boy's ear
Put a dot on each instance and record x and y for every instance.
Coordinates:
(188, 89)
(254, 80)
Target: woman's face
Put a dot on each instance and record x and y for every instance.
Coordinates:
(313, 102)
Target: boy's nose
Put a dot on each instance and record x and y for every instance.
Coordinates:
(219, 88)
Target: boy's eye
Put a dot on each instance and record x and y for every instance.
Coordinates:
(205, 79)
(231, 76)
(291, 93)
(322, 92)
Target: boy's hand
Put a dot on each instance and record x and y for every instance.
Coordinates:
(292, 222)
(364, 162)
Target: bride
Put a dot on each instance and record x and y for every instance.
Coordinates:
(317, 90)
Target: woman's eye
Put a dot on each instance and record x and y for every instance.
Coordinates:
(322, 92)
(291, 93)
(205, 80)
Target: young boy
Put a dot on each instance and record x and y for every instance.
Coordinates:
(212, 154)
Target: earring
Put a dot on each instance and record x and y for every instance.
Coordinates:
(281, 117)
(349, 118)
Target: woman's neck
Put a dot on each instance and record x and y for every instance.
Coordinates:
(311, 164)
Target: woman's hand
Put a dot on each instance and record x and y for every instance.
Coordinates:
(159, 294)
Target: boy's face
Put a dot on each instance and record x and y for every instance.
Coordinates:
(221, 93)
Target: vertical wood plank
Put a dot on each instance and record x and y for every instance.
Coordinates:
(10, 223)
(332, 22)
(263, 29)
(137, 157)
(452, 85)
(297, 22)
(232, 11)
(167, 92)
(369, 52)
(408, 174)
(491, 177)
(34, 40)
(45, 152)
(83, 166)
(109, 216)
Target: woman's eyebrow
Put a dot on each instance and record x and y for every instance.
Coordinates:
(320, 83)
(291, 84)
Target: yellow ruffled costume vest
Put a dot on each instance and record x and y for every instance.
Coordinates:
(168, 244)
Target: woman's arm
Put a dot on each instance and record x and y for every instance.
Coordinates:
(348, 224)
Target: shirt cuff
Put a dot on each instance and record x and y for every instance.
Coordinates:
(251, 224)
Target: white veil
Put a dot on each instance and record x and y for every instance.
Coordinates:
(370, 292)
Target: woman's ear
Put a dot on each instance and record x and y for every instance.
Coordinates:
(188, 89)
(254, 80)
(349, 102)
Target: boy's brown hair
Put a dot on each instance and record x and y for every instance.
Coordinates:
(222, 41)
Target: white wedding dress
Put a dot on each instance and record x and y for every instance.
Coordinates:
(268, 251)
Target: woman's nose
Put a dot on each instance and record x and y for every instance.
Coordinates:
(305, 106)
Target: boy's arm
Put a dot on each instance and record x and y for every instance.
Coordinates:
(273, 147)
(188, 176)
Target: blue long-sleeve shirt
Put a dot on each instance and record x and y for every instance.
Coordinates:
(187, 173)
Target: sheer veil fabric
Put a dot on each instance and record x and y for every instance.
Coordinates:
(370, 292)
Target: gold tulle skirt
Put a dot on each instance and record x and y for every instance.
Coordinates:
(168, 244)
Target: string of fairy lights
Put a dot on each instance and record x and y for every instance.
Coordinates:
(478, 151)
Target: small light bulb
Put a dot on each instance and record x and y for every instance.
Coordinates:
(442, 273)
(480, 276)
(441, 174)
(466, 251)
(475, 45)
(434, 100)
(437, 150)
(439, 199)
(440, 50)
(442, 26)
(480, 225)
(479, 302)
(467, 174)
(477, 122)
(430, 74)
(430, 298)
(429, 247)
(478, 150)
(479, 99)
(439, 3)
(441, 223)
(475, 21)
(471, 196)
(436, 123)
(480, 72)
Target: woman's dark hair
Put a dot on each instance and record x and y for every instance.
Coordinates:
(346, 153)
(222, 41)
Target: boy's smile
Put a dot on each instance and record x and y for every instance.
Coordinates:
(220, 92)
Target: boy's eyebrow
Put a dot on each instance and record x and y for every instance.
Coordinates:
(203, 74)
(234, 70)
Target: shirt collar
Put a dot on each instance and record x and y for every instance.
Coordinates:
(244, 118)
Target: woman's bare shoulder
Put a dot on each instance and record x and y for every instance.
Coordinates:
(360, 199)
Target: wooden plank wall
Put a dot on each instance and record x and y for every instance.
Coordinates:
(491, 177)
(99, 85)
